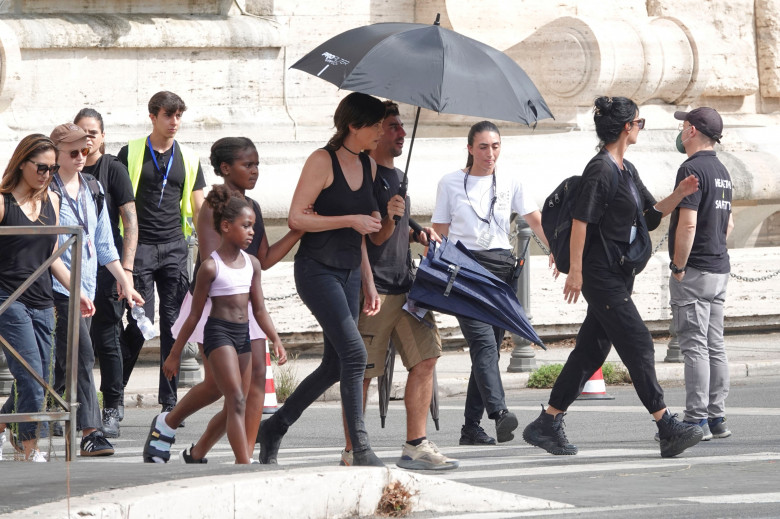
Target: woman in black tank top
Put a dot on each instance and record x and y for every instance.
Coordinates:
(27, 324)
(236, 160)
(329, 265)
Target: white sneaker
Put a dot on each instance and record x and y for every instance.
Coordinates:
(346, 459)
(37, 456)
(425, 456)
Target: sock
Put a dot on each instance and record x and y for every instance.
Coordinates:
(417, 442)
(165, 430)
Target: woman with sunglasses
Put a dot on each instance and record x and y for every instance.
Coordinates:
(79, 208)
(605, 217)
(28, 322)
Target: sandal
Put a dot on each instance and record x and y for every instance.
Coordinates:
(151, 453)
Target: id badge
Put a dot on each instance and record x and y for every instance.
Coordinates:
(90, 247)
(485, 239)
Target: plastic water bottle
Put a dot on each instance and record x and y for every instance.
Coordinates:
(144, 323)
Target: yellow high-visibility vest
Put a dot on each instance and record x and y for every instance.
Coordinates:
(135, 159)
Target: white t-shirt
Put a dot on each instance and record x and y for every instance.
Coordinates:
(465, 209)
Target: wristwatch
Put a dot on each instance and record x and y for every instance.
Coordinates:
(675, 269)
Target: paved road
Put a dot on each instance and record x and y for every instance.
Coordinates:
(618, 471)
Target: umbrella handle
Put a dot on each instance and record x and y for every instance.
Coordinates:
(405, 181)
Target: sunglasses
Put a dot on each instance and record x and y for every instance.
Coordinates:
(75, 153)
(640, 123)
(45, 168)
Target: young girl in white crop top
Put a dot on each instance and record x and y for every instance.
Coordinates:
(230, 278)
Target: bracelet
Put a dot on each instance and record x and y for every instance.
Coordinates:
(127, 270)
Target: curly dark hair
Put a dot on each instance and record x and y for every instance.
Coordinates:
(226, 204)
(611, 115)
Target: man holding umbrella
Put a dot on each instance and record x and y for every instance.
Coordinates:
(417, 341)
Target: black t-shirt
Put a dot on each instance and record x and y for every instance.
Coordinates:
(159, 220)
(391, 262)
(595, 187)
(712, 203)
(118, 189)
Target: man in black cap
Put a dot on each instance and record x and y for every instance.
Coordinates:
(700, 271)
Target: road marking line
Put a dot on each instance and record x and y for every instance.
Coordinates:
(733, 499)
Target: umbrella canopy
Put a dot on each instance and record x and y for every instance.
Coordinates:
(455, 283)
(430, 67)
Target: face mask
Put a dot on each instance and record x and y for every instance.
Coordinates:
(679, 143)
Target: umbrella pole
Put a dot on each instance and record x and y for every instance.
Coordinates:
(405, 181)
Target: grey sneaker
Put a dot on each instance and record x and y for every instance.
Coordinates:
(425, 456)
(475, 435)
(547, 432)
(110, 422)
(718, 427)
(705, 429)
(676, 436)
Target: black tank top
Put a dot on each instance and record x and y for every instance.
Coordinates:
(340, 248)
(21, 254)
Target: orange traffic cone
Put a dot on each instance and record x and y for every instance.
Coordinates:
(270, 404)
(595, 388)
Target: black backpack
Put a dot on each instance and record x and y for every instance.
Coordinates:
(94, 188)
(556, 218)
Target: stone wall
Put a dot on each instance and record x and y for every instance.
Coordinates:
(230, 61)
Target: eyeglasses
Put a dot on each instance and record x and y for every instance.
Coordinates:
(682, 127)
(83, 152)
(640, 123)
(43, 169)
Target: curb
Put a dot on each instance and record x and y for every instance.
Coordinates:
(349, 492)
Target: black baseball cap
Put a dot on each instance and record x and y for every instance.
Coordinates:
(707, 120)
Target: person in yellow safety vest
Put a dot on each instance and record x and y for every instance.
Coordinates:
(168, 184)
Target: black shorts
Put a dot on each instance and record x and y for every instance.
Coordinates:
(218, 332)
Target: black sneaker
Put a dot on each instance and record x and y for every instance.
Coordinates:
(95, 444)
(167, 408)
(475, 435)
(547, 432)
(505, 424)
(56, 429)
(676, 436)
(271, 433)
(186, 457)
(110, 423)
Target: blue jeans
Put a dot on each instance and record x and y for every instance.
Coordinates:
(29, 331)
(333, 297)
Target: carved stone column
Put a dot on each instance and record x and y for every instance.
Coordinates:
(189, 373)
(6, 379)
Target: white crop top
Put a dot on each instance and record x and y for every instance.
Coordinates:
(231, 281)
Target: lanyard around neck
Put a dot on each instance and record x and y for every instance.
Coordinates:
(73, 204)
(157, 166)
(492, 200)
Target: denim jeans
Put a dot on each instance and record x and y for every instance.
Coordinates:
(164, 265)
(105, 331)
(333, 297)
(88, 412)
(29, 331)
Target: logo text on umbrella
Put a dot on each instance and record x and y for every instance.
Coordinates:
(332, 59)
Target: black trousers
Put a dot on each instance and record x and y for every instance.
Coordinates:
(163, 265)
(88, 412)
(105, 331)
(612, 319)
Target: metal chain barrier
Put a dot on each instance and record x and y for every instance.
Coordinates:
(753, 280)
(281, 298)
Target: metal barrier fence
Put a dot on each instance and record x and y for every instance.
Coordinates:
(67, 404)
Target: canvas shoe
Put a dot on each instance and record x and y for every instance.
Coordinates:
(346, 458)
(547, 432)
(718, 427)
(425, 456)
(95, 444)
(676, 436)
(475, 435)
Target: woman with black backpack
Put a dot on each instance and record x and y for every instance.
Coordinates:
(609, 245)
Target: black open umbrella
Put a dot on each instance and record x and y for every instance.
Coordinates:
(430, 67)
